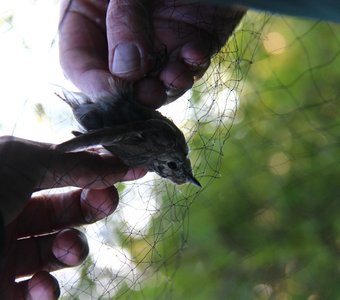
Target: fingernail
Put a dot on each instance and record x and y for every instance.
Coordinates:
(70, 247)
(96, 205)
(196, 66)
(175, 93)
(135, 173)
(126, 59)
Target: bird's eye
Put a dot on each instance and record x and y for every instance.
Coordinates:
(172, 165)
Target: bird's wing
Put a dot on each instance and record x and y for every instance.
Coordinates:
(106, 137)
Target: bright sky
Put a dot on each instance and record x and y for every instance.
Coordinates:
(29, 71)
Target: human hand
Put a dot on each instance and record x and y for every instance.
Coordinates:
(40, 238)
(128, 39)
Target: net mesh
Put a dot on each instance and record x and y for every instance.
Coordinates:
(262, 126)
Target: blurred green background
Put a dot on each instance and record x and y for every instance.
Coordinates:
(269, 226)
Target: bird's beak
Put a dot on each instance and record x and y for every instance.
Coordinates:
(193, 180)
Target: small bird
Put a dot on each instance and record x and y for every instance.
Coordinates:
(139, 136)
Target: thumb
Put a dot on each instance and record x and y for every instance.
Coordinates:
(129, 35)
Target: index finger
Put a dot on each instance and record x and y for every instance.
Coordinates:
(85, 170)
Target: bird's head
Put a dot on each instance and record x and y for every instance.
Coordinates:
(175, 166)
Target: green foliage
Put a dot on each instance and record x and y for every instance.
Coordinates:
(269, 227)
